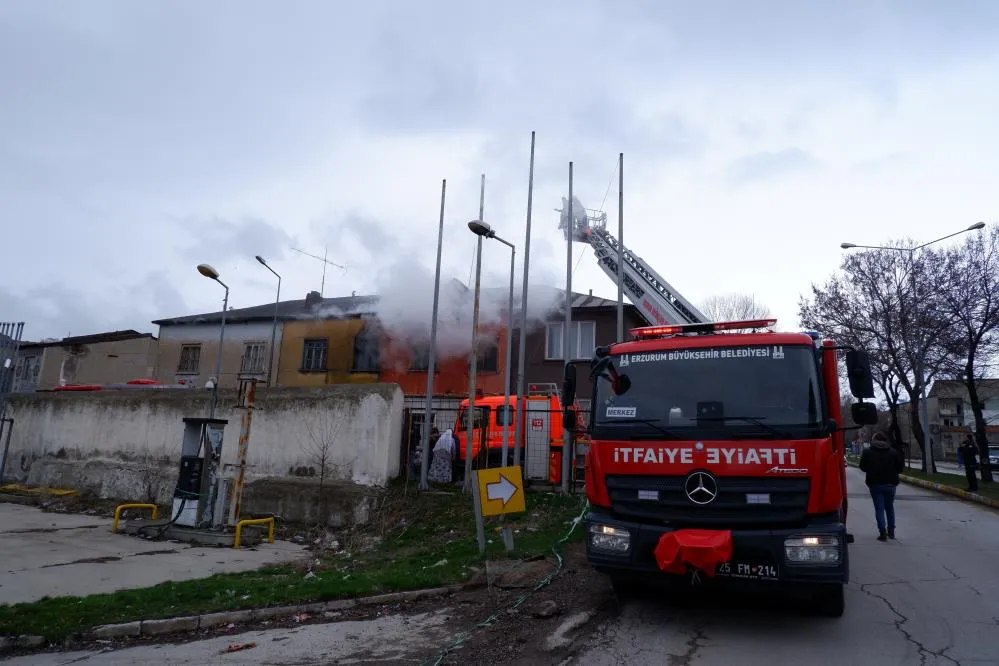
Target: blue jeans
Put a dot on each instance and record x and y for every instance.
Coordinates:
(884, 506)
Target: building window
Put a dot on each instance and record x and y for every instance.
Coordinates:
(254, 358)
(419, 358)
(487, 357)
(367, 348)
(190, 359)
(582, 341)
(314, 354)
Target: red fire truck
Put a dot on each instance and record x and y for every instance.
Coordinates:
(542, 417)
(717, 454)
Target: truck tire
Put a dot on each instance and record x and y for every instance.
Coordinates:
(829, 600)
(624, 588)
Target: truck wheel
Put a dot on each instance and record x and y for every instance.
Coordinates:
(624, 588)
(829, 599)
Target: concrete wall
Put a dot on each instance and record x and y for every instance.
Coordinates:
(173, 338)
(127, 445)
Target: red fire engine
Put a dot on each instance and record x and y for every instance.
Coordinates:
(717, 453)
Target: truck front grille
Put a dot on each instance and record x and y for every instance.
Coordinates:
(740, 501)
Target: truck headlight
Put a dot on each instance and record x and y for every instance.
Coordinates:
(610, 539)
(825, 549)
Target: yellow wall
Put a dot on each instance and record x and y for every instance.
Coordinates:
(339, 357)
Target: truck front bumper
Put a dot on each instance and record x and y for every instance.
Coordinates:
(758, 555)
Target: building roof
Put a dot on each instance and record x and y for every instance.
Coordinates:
(955, 388)
(93, 339)
(314, 305)
(285, 310)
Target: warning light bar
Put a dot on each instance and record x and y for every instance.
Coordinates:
(647, 332)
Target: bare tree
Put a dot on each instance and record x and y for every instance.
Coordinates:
(320, 448)
(971, 298)
(734, 307)
(882, 302)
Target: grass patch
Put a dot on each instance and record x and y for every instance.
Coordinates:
(959, 481)
(424, 540)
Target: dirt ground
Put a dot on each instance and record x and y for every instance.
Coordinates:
(544, 629)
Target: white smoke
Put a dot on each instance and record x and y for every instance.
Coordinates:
(405, 307)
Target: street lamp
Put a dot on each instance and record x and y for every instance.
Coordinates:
(277, 302)
(483, 230)
(924, 415)
(212, 274)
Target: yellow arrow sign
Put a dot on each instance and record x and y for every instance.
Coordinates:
(501, 490)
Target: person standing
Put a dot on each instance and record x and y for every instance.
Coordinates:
(968, 453)
(882, 464)
(440, 467)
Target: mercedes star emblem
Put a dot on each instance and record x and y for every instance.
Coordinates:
(701, 488)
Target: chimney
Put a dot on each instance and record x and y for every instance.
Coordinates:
(591, 292)
(312, 299)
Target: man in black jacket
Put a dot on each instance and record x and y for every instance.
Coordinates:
(882, 464)
(969, 456)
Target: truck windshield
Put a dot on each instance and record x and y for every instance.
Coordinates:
(758, 391)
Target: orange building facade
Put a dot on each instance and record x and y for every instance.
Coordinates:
(407, 365)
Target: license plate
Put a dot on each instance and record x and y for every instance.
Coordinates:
(747, 571)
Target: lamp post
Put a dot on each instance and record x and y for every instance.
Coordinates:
(277, 302)
(483, 230)
(212, 274)
(920, 369)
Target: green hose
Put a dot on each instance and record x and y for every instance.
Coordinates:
(489, 621)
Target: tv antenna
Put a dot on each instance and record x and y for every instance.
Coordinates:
(325, 261)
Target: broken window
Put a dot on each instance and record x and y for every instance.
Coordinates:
(367, 348)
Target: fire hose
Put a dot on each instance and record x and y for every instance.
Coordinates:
(438, 659)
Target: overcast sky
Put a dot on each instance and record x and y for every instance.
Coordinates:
(138, 139)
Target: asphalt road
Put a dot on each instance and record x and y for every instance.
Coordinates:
(930, 597)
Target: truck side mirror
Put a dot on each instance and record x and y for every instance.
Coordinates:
(858, 371)
(864, 413)
(569, 385)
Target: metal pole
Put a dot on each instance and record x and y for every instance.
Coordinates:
(470, 413)
(518, 437)
(236, 497)
(218, 356)
(566, 333)
(432, 365)
(6, 425)
(270, 364)
(620, 247)
(509, 361)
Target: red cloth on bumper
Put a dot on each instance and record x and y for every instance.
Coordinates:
(700, 549)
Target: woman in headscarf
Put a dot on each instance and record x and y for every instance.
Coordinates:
(440, 467)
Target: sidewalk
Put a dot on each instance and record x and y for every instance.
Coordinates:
(949, 487)
(59, 554)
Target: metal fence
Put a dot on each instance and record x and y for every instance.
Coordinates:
(10, 343)
(539, 438)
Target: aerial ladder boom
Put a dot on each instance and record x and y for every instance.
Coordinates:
(658, 300)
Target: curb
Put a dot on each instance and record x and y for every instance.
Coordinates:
(947, 490)
(195, 622)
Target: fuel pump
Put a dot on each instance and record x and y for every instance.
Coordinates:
(197, 495)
